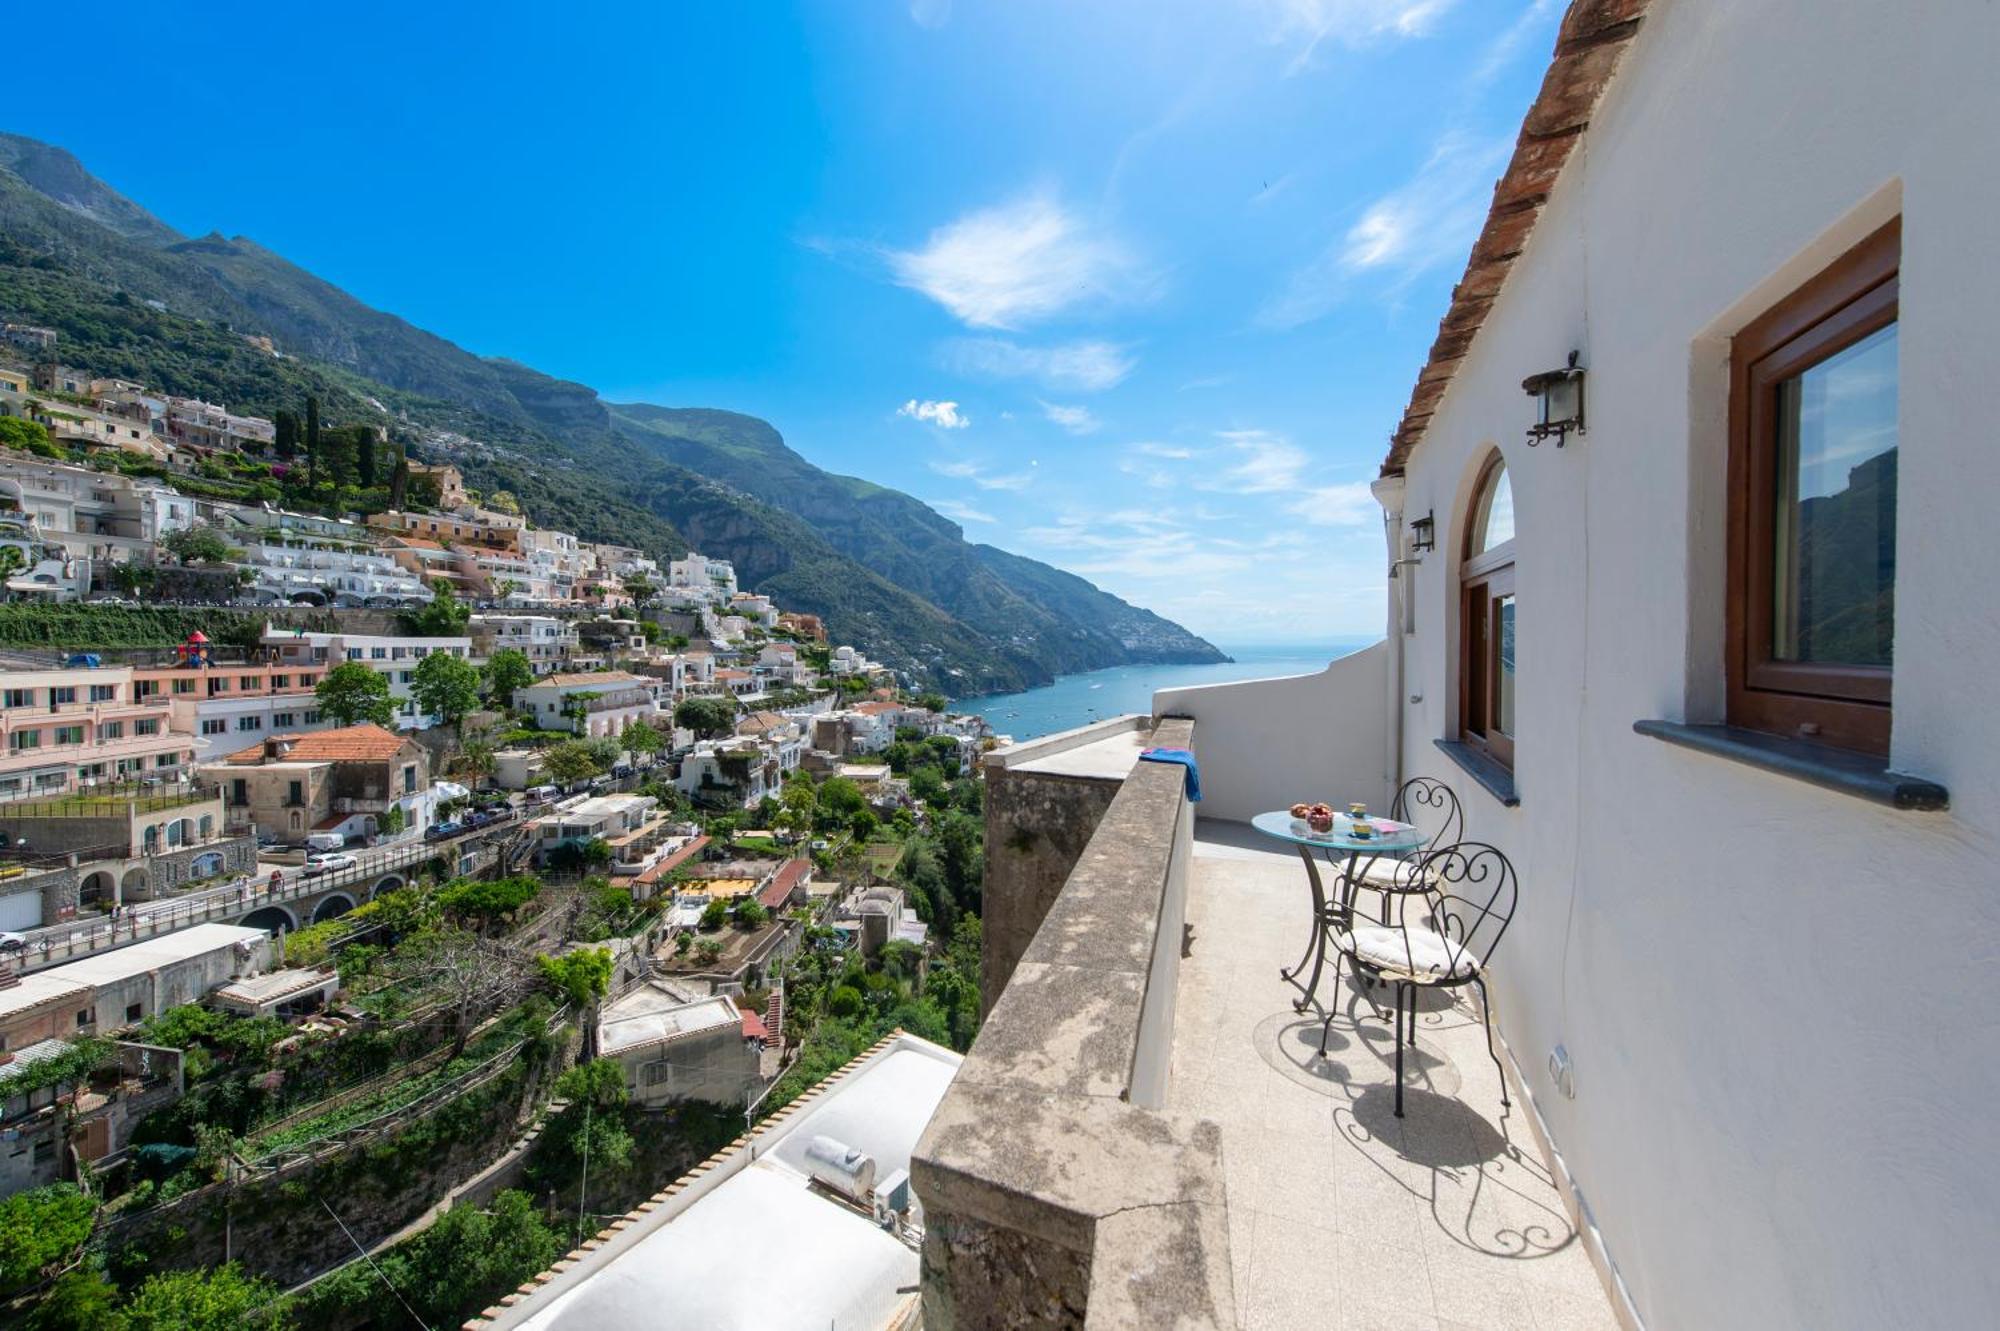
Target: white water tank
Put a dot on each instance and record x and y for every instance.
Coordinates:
(840, 1167)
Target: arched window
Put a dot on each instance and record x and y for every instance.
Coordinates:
(1486, 689)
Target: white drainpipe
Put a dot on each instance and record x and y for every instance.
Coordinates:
(1388, 492)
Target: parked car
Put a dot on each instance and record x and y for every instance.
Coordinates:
(479, 818)
(621, 770)
(444, 831)
(319, 864)
(11, 943)
(541, 794)
(326, 842)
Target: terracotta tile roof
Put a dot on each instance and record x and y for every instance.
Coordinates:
(758, 723)
(753, 1027)
(367, 743)
(726, 673)
(783, 883)
(1593, 36)
(674, 860)
(878, 708)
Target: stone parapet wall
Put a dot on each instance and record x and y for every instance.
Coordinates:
(1054, 1194)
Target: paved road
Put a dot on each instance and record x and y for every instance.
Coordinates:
(55, 944)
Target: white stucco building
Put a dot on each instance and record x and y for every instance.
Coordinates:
(1730, 802)
(394, 657)
(544, 639)
(611, 700)
(715, 579)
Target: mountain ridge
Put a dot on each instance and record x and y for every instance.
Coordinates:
(881, 568)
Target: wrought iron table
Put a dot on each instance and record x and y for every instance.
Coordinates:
(1388, 838)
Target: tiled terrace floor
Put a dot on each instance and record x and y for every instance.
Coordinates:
(1341, 1215)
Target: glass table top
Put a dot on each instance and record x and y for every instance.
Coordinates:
(1388, 838)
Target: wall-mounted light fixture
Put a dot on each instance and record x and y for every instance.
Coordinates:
(1558, 398)
(1423, 532)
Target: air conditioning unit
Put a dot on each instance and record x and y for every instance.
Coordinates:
(892, 1198)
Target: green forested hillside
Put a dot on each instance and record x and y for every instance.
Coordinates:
(133, 298)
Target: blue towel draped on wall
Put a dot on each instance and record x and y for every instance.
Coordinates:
(1185, 757)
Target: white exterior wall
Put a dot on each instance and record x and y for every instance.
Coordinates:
(1778, 1000)
(1270, 743)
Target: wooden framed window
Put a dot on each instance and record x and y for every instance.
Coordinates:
(1486, 686)
(1812, 506)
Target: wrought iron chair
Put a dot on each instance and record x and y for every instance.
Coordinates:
(1418, 801)
(1470, 892)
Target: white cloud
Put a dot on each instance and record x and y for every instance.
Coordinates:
(1088, 367)
(1309, 24)
(1269, 464)
(985, 480)
(1431, 219)
(1172, 452)
(1191, 562)
(960, 512)
(1349, 504)
(1077, 420)
(1017, 263)
(944, 415)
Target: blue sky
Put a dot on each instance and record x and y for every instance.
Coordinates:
(1136, 288)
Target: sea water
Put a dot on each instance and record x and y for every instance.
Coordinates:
(1077, 700)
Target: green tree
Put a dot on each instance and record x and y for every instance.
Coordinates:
(444, 616)
(592, 1124)
(507, 670)
(365, 448)
(707, 717)
(18, 432)
(932, 702)
(580, 856)
(41, 1228)
(351, 693)
(286, 445)
(582, 976)
(571, 760)
(640, 738)
(797, 808)
(750, 915)
(79, 1301)
(840, 799)
(219, 1299)
(399, 481)
(199, 544)
(488, 900)
(928, 786)
(446, 686)
(312, 442)
(713, 915)
(476, 760)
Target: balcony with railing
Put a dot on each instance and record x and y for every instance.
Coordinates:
(1146, 1131)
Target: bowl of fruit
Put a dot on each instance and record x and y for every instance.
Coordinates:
(1312, 819)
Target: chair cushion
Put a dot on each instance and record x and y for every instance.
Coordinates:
(1417, 952)
(1388, 871)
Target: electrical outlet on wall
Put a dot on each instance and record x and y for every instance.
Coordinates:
(1561, 1073)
